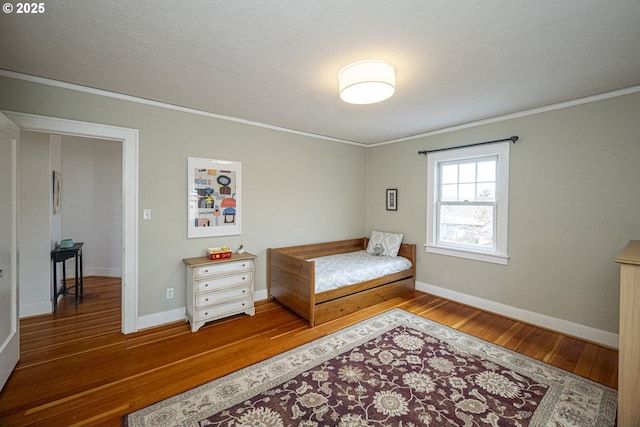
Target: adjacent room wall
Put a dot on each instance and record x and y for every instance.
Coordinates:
(91, 211)
(92, 202)
(574, 204)
(35, 224)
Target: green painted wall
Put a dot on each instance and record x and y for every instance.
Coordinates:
(295, 189)
(574, 203)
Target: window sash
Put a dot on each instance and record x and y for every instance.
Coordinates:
(437, 243)
(459, 182)
(474, 230)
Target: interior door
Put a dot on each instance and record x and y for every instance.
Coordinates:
(9, 315)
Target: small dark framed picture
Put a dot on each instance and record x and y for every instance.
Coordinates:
(392, 199)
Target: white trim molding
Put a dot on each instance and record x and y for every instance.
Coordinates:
(157, 319)
(260, 295)
(144, 101)
(164, 317)
(28, 310)
(499, 153)
(566, 327)
(130, 141)
(517, 115)
(453, 128)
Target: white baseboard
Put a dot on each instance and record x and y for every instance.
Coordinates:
(170, 316)
(36, 309)
(93, 271)
(260, 295)
(608, 339)
(104, 272)
(158, 319)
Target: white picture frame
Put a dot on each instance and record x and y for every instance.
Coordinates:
(214, 202)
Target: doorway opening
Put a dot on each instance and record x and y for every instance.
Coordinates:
(129, 139)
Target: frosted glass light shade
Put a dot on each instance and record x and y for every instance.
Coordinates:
(367, 82)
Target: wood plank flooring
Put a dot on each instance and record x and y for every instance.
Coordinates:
(77, 369)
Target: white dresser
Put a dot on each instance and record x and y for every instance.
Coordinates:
(218, 288)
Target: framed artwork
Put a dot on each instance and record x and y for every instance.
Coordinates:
(214, 197)
(392, 199)
(57, 192)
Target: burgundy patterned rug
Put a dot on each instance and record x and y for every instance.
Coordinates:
(395, 369)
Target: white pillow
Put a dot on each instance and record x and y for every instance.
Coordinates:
(390, 242)
(376, 239)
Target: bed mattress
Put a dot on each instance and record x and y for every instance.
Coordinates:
(336, 271)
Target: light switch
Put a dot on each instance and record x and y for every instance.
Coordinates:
(146, 214)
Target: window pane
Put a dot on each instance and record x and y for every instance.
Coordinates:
(449, 174)
(487, 171)
(486, 192)
(449, 193)
(467, 202)
(467, 225)
(467, 192)
(468, 172)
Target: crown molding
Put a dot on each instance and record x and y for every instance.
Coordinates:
(144, 101)
(523, 113)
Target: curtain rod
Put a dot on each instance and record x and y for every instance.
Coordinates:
(512, 139)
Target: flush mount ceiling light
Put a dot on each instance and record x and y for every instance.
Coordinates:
(367, 82)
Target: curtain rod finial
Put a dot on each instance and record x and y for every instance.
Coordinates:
(514, 139)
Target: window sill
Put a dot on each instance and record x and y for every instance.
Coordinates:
(477, 256)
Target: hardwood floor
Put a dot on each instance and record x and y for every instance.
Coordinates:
(76, 368)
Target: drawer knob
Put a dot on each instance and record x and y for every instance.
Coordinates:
(206, 299)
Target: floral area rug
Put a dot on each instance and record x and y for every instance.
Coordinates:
(395, 369)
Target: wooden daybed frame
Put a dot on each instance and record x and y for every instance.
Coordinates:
(291, 281)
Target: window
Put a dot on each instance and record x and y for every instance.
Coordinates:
(467, 202)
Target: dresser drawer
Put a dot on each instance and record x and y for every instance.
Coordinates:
(224, 281)
(221, 310)
(224, 267)
(223, 296)
(216, 289)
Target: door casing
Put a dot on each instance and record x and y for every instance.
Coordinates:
(130, 141)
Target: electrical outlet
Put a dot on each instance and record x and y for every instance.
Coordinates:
(169, 293)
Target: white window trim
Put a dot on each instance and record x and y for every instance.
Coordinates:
(500, 256)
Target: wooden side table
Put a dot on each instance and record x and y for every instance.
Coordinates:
(61, 255)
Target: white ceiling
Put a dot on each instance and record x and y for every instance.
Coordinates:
(275, 62)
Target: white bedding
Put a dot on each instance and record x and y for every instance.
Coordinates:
(335, 271)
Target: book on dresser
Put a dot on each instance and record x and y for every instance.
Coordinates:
(219, 288)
